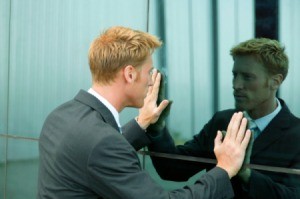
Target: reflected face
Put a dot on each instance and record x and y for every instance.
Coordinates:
(143, 81)
(251, 87)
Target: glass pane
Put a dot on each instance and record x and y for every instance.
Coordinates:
(235, 24)
(187, 35)
(289, 30)
(2, 165)
(22, 169)
(49, 47)
(168, 185)
(184, 27)
(4, 54)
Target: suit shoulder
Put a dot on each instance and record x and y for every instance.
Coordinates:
(224, 114)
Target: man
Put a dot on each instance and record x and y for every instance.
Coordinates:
(82, 151)
(260, 66)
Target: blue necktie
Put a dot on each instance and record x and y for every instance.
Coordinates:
(252, 125)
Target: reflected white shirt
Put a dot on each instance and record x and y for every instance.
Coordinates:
(263, 122)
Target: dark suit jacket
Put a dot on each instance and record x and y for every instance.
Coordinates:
(278, 145)
(82, 155)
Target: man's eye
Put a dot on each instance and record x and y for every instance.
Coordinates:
(234, 75)
(247, 77)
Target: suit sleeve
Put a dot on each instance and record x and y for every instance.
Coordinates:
(135, 135)
(179, 170)
(114, 172)
(262, 186)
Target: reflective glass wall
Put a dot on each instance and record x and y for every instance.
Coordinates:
(44, 46)
(43, 63)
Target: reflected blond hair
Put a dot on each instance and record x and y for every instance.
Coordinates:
(118, 47)
(267, 51)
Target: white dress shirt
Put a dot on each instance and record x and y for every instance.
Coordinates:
(108, 105)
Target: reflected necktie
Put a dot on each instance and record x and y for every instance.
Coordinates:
(252, 125)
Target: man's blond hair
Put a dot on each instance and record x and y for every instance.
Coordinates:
(267, 51)
(116, 48)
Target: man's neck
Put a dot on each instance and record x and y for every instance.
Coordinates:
(111, 93)
(266, 108)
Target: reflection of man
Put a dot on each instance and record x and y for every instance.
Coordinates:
(260, 66)
(82, 152)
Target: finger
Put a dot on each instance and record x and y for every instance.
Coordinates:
(150, 88)
(229, 127)
(218, 139)
(154, 74)
(246, 139)
(236, 125)
(241, 132)
(155, 88)
(162, 106)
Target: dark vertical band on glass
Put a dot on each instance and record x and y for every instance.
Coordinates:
(161, 28)
(147, 15)
(147, 30)
(161, 32)
(267, 20)
(192, 66)
(215, 55)
(8, 96)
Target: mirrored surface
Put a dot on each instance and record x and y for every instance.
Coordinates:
(4, 62)
(43, 60)
(22, 169)
(2, 166)
(168, 185)
(49, 44)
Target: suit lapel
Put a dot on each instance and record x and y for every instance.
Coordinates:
(273, 131)
(90, 100)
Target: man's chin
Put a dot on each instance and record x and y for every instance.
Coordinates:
(139, 104)
(136, 105)
(240, 107)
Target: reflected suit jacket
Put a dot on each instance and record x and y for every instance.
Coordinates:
(83, 156)
(278, 145)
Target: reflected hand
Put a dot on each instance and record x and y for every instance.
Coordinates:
(160, 123)
(245, 173)
(230, 151)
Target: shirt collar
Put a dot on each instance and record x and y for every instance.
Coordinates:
(107, 104)
(263, 122)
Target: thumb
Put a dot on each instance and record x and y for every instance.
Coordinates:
(218, 139)
(163, 104)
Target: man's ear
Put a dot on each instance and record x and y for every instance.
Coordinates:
(130, 73)
(276, 81)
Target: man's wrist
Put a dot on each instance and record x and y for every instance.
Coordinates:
(142, 124)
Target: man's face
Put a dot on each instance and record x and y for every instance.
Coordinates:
(251, 87)
(144, 80)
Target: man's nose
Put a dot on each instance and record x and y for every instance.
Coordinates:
(237, 83)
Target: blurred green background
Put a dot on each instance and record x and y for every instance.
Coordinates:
(43, 63)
